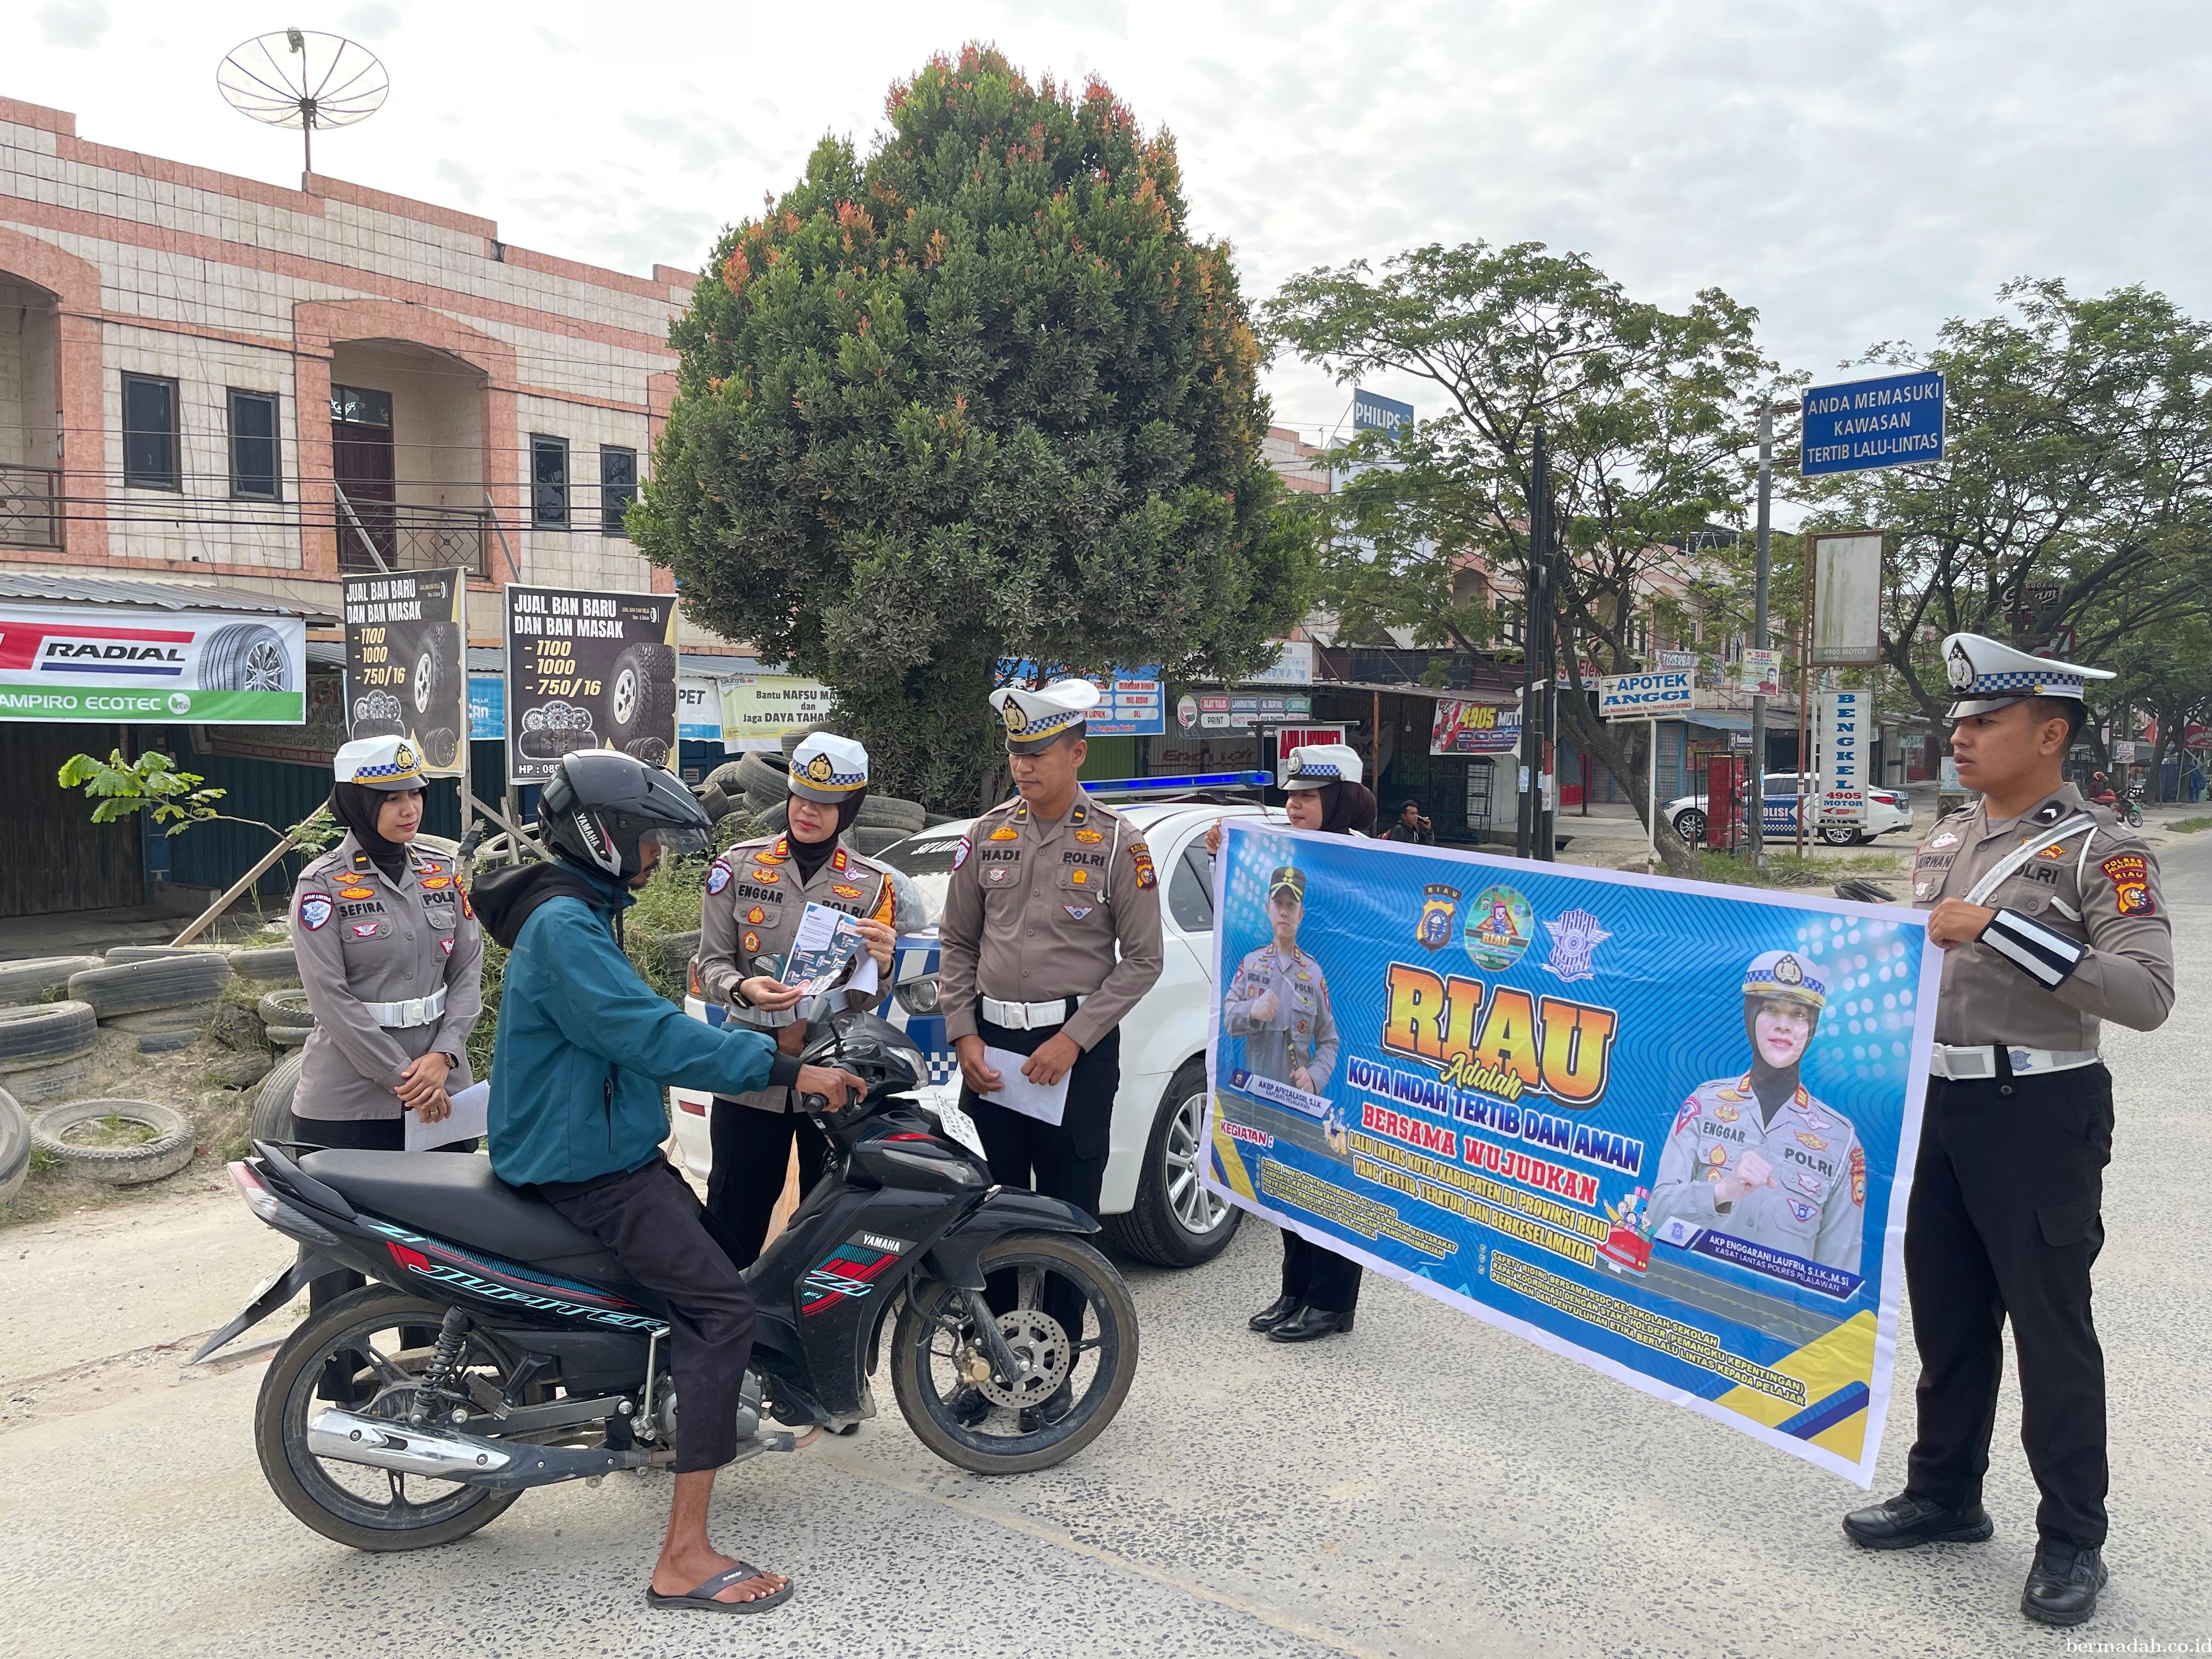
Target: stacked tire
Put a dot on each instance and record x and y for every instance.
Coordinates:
(287, 1017)
(15, 1146)
(163, 1001)
(45, 1049)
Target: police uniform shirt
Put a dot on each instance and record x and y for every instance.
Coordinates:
(1302, 1029)
(361, 938)
(2099, 890)
(1817, 1207)
(751, 908)
(1035, 912)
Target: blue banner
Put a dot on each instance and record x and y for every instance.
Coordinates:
(1664, 1128)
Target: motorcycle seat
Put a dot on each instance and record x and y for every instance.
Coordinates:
(461, 1199)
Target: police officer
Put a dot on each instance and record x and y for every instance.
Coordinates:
(391, 960)
(756, 894)
(1044, 891)
(1756, 1157)
(1278, 999)
(2051, 921)
(1322, 792)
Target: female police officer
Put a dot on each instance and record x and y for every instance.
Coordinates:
(756, 894)
(391, 960)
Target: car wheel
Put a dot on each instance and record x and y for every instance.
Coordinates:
(1177, 1222)
(1690, 825)
(1840, 835)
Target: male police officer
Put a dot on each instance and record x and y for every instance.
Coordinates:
(1042, 891)
(1756, 1157)
(1278, 999)
(2050, 916)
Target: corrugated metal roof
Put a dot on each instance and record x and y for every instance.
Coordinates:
(48, 587)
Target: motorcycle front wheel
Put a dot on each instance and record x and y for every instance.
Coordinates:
(978, 1421)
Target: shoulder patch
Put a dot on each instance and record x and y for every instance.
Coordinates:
(718, 877)
(1141, 856)
(1690, 1112)
(315, 911)
(2129, 874)
(960, 857)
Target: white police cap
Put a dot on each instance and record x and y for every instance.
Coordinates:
(1314, 764)
(377, 764)
(1986, 675)
(1037, 720)
(1786, 974)
(827, 767)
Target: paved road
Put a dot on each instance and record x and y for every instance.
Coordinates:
(1425, 1487)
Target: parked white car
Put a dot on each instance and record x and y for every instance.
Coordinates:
(1151, 1203)
(1886, 809)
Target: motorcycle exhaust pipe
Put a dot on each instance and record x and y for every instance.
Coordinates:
(348, 1438)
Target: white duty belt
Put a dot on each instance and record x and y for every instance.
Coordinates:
(401, 1016)
(1961, 1064)
(1029, 1016)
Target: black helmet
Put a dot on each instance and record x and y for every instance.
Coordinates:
(600, 808)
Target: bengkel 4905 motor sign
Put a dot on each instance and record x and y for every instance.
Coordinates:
(107, 663)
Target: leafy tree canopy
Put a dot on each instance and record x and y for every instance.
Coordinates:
(978, 395)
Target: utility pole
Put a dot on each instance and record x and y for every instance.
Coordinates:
(1535, 632)
(1756, 840)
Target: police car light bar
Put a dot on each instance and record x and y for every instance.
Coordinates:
(1181, 785)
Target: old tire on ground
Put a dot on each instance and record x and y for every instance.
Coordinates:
(892, 813)
(15, 1146)
(759, 775)
(285, 1008)
(873, 838)
(149, 953)
(265, 961)
(1176, 1222)
(30, 980)
(931, 820)
(133, 988)
(158, 1030)
(41, 1033)
(289, 1036)
(273, 1106)
(168, 1151)
(676, 952)
(41, 1085)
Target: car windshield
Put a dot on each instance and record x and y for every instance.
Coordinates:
(926, 860)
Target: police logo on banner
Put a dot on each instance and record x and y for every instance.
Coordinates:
(1574, 937)
(1439, 909)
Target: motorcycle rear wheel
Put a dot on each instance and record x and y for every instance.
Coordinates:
(930, 1334)
(338, 1499)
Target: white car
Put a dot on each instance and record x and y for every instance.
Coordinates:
(1152, 1203)
(1886, 809)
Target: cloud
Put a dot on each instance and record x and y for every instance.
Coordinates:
(464, 179)
(375, 20)
(78, 23)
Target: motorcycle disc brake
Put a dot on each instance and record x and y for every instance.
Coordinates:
(1037, 1337)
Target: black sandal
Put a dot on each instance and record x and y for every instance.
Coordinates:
(702, 1595)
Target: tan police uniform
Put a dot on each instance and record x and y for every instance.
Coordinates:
(2005, 1217)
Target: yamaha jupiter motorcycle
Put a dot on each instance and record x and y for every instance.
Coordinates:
(499, 1348)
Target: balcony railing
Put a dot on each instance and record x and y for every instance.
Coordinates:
(376, 535)
(30, 512)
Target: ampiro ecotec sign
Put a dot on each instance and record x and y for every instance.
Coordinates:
(1646, 696)
(96, 662)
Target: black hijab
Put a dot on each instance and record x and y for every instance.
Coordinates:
(1774, 1089)
(1346, 809)
(810, 855)
(356, 806)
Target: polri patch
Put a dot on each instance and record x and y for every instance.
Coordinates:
(315, 911)
(1141, 856)
(2129, 874)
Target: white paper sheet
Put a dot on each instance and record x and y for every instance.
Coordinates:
(1017, 1094)
(471, 1112)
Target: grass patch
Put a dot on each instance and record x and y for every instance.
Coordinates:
(113, 1130)
(2189, 826)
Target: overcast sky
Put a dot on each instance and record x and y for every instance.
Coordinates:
(1858, 171)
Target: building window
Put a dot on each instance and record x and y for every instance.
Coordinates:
(617, 487)
(549, 481)
(149, 433)
(253, 446)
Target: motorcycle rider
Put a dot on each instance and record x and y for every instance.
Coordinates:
(585, 1048)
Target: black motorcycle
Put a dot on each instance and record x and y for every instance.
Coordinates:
(499, 1348)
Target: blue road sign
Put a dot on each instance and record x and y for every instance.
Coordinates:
(1373, 412)
(1896, 421)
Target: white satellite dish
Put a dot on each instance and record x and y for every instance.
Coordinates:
(300, 78)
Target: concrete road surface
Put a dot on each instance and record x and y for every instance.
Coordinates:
(1426, 1487)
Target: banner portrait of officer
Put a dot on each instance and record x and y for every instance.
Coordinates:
(1278, 1000)
(1755, 1155)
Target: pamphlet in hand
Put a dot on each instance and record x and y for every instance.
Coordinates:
(822, 950)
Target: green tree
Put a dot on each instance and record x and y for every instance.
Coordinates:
(1647, 414)
(2071, 508)
(980, 395)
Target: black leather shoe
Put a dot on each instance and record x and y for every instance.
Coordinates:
(1061, 1401)
(1906, 1521)
(1274, 1313)
(968, 1408)
(1308, 1324)
(2063, 1584)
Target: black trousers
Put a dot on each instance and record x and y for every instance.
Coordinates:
(1318, 1276)
(1066, 1160)
(2004, 1223)
(665, 1241)
(752, 1155)
(362, 1134)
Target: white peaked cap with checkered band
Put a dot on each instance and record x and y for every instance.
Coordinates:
(1314, 764)
(1037, 720)
(1986, 675)
(827, 767)
(377, 764)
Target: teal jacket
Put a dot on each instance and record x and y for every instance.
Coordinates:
(584, 1045)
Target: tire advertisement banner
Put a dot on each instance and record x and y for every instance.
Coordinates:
(407, 673)
(1664, 1129)
(588, 670)
(99, 662)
